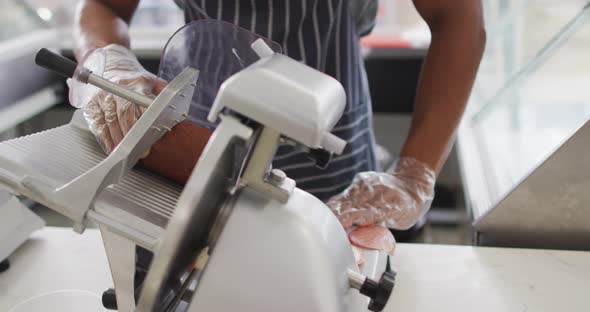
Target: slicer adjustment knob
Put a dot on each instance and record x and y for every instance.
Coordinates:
(379, 292)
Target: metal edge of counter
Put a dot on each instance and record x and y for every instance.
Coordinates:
(478, 199)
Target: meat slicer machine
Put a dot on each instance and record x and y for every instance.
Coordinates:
(240, 236)
(17, 223)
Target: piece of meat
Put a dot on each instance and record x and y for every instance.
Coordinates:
(375, 237)
(359, 255)
(175, 155)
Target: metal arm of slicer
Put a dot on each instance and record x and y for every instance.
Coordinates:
(75, 199)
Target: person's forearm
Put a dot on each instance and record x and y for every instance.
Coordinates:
(99, 23)
(447, 76)
(175, 155)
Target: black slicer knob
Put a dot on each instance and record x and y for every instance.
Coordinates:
(321, 157)
(109, 299)
(56, 63)
(379, 292)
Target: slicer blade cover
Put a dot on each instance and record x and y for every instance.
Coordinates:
(288, 96)
(218, 50)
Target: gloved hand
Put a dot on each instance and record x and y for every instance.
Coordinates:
(110, 117)
(399, 198)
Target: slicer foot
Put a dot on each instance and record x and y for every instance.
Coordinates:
(109, 299)
(4, 266)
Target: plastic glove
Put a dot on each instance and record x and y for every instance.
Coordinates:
(399, 198)
(110, 117)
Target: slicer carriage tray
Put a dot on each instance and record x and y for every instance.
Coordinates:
(142, 201)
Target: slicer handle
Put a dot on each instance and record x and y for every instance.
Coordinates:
(68, 68)
(56, 63)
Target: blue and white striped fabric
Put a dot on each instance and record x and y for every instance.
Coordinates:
(322, 34)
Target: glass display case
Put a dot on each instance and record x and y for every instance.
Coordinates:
(149, 13)
(25, 89)
(538, 106)
(153, 22)
(158, 13)
(530, 97)
(17, 19)
(516, 31)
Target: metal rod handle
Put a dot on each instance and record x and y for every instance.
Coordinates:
(356, 280)
(120, 91)
(68, 68)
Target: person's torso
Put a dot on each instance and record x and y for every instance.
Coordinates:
(322, 34)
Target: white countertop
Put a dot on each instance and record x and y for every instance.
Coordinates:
(466, 278)
(430, 277)
(55, 259)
